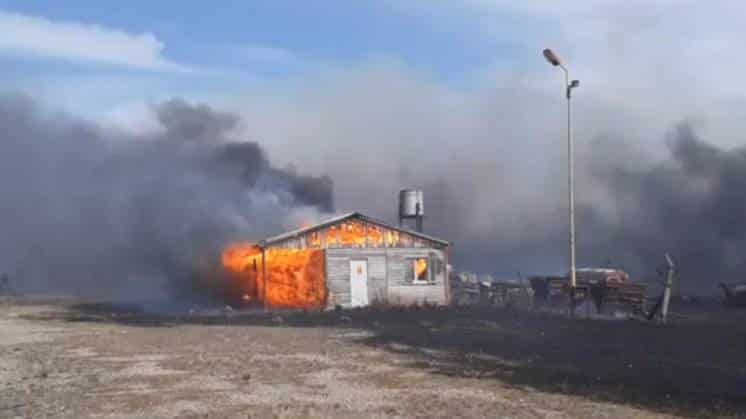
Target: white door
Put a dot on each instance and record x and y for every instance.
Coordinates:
(358, 283)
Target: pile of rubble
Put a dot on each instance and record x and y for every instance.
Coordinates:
(603, 289)
(470, 289)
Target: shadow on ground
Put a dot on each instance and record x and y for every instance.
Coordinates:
(694, 367)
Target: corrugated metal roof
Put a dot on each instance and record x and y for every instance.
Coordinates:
(301, 231)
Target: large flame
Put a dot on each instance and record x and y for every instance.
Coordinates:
(346, 234)
(357, 234)
(420, 269)
(295, 278)
(244, 262)
(239, 257)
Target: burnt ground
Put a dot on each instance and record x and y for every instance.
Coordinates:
(62, 358)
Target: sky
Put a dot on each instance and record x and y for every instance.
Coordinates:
(386, 94)
(94, 58)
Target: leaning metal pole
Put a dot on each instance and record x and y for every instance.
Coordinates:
(667, 289)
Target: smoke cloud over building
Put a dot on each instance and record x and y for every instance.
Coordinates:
(690, 204)
(95, 211)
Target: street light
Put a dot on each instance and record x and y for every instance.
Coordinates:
(554, 60)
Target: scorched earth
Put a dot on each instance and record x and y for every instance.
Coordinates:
(62, 358)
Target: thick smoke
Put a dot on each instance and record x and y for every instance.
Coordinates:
(494, 171)
(633, 208)
(99, 212)
(691, 205)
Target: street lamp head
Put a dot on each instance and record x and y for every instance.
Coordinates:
(552, 57)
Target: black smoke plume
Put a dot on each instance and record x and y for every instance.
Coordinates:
(94, 211)
(632, 208)
(91, 209)
(692, 205)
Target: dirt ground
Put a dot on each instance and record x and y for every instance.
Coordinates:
(63, 358)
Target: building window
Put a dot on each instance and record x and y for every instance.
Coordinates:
(420, 270)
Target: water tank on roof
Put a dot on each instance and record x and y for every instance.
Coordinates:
(411, 203)
(411, 206)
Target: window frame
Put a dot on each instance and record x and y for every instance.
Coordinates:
(430, 280)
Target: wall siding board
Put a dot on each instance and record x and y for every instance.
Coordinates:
(417, 294)
(377, 279)
(387, 269)
(337, 280)
(404, 293)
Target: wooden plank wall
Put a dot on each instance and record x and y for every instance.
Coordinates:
(387, 276)
(402, 292)
(338, 274)
(337, 280)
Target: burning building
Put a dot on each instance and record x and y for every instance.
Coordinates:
(347, 261)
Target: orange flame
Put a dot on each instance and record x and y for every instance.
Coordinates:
(294, 277)
(244, 262)
(284, 277)
(238, 257)
(356, 234)
(420, 269)
(346, 234)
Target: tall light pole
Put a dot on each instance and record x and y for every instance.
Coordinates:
(569, 85)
